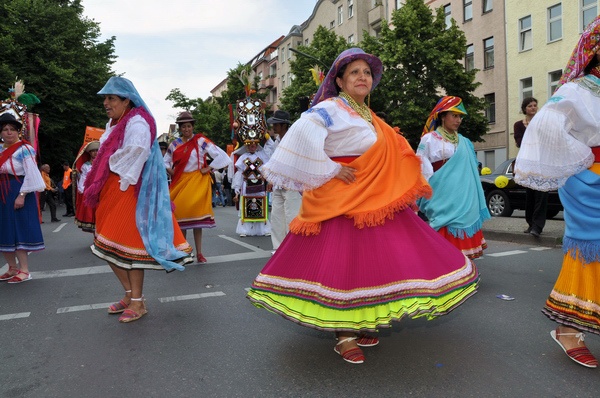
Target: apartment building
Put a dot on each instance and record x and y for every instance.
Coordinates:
(540, 40)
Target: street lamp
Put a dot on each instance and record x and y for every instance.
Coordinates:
(309, 56)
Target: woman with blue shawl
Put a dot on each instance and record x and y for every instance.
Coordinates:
(457, 208)
(561, 150)
(127, 185)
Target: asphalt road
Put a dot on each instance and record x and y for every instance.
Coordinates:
(202, 337)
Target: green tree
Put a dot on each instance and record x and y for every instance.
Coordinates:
(321, 52)
(56, 51)
(422, 62)
(212, 114)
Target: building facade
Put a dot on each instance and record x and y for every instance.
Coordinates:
(540, 40)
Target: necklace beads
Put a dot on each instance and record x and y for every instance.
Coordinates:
(363, 110)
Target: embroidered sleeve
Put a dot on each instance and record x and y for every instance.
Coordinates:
(219, 156)
(128, 161)
(33, 181)
(300, 162)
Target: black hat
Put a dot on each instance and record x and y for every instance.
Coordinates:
(163, 145)
(279, 117)
(8, 118)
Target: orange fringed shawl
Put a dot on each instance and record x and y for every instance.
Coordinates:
(388, 179)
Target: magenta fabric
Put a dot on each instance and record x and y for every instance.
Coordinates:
(405, 248)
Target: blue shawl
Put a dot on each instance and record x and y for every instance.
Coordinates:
(579, 197)
(458, 202)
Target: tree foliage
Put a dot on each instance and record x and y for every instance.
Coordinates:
(56, 51)
(321, 52)
(212, 115)
(422, 62)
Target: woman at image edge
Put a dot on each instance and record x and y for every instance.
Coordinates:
(357, 253)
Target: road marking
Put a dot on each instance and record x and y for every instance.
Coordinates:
(539, 249)
(86, 307)
(244, 244)
(8, 317)
(190, 297)
(61, 226)
(508, 253)
(105, 269)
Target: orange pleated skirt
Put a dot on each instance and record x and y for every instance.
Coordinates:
(117, 239)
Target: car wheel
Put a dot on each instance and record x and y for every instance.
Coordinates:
(551, 213)
(498, 204)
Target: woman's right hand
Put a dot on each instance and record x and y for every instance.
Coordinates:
(346, 174)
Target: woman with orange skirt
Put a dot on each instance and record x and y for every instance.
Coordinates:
(135, 226)
(457, 208)
(191, 184)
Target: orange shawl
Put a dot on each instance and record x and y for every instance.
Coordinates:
(388, 179)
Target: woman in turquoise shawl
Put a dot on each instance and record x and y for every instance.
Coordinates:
(457, 208)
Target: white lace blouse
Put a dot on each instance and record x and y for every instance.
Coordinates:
(433, 148)
(302, 160)
(128, 161)
(22, 163)
(557, 142)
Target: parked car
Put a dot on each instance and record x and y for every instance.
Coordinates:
(501, 202)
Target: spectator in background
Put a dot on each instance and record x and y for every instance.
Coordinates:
(67, 184)
(536, 202)
(48, 195)
(285, 202)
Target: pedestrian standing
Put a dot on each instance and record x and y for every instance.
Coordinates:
(561, 150)
(47, 197)
(285, 203)
(84, 215)
(536, 202)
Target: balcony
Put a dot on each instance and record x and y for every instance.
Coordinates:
(375, 15)
(269, 82)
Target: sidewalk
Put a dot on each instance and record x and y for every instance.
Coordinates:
(510, 229)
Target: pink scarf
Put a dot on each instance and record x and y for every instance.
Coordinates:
(100, 168)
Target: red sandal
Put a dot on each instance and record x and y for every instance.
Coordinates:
(7, 275)
(364, 340)
(117, 308)
(130, 315)
(581, 355)
(19, 279)
(201, 259)
(353, 355)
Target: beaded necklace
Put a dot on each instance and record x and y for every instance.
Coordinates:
(363, 110)
(450, 137)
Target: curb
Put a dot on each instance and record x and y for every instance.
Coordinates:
(549, 241)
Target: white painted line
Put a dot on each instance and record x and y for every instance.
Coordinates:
(247, 289)
(98, 269)
(61, 226)
(244, 244)
(190, 297)
(509, 253)
(8, 317)
(86, 307)
(539, 248)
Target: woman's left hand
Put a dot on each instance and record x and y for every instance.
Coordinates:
(205, 170)
(346, 174)
(19, 202)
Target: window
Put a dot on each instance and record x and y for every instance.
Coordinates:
(291, 77)
(399, 4)
(488, 53)
(526, 87)
(289, 52)
(331, 24)
(470, 58)
(468, 9)
(589, 11)
(525, 35)
(282, 55)
(273, 70)
(340, 15)
(447, 15)
(488, 5)
(555, 22)
(282, 82)
(490, 107)
(350, 8)
(350, 39)
(306, 42)
(553, 78)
